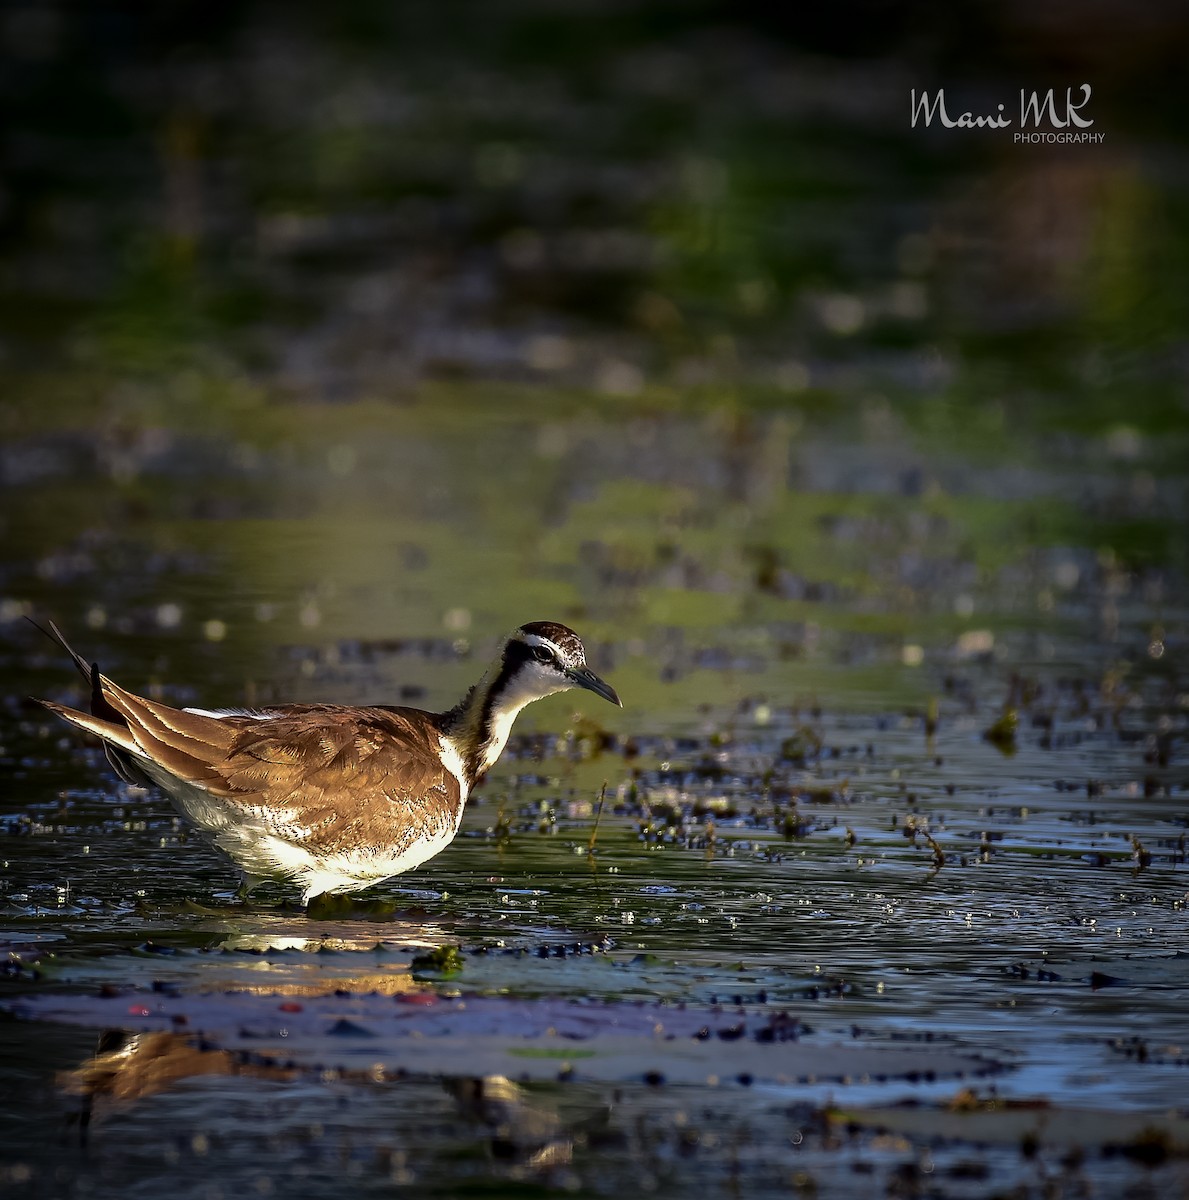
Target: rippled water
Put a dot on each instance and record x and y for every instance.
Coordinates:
(338, 344)
(772, 786)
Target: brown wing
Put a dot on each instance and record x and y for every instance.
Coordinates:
(343, 778)
(327, 777)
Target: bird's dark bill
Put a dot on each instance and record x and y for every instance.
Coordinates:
(585, 677)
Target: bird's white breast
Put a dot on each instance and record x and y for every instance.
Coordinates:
(452, 761)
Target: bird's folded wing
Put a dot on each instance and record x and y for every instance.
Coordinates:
(338, 779)
(324, 775)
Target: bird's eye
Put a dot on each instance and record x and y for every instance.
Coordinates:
(542, 654)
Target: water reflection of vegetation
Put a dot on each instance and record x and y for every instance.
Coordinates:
(808, 423)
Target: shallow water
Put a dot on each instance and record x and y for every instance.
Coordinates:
(771, 786)
(833, 442)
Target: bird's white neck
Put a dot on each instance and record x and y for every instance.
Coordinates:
(477, 728)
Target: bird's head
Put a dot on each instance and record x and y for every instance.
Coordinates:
(535, 661)
(543, 657)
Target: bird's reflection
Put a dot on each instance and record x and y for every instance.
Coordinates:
(133, 1066)
(521, 1127)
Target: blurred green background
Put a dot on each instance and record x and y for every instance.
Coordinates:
(325, 325)
(338, 338)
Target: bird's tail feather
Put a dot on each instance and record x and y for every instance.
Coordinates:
(109, 731)
(100, 706)
(104, 720)
(56, 635)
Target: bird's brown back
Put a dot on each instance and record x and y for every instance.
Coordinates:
(327, 777)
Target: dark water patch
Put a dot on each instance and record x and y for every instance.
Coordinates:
(419, 1033)
(821, 528)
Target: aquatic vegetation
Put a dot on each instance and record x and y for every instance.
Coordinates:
(442, 962)
(1001, 733)
(860, 459)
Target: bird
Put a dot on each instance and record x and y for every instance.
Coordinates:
(329, 797)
